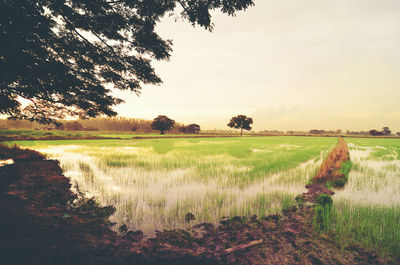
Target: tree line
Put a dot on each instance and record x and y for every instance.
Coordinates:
(164, 124)
(384, 132)
(100, 124)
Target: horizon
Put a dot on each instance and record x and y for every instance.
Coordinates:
(227, 129)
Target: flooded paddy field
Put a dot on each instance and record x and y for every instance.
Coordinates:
(367, 210)
(154, 183)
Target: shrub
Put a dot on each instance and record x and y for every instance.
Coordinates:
(324, 200)
(323, 210)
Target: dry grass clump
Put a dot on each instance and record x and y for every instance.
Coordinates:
(335, 168)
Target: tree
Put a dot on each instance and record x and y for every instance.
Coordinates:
(182, 129)
(242, 122)
(193, 128)
(60, 127)
(316, 131)
(386, 131)
(73, 126)
(375, 133)
(162, 123)
(398, 133)
(63, 55)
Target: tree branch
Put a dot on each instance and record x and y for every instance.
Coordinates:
(241, 247)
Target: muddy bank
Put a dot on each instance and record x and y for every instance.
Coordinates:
(43, 222)
(335, 168)
(51, 137)
(333, 172)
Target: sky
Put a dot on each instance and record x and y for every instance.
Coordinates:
(288, 64)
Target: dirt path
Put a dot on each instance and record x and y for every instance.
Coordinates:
(42, 222)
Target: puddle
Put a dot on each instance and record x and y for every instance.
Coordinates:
(6, 162)
(371, 181)
(289, 146)
(260, 150)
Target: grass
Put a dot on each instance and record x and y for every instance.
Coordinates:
(372, 226)
(383, 148)
(154, 183)
(76, 134)
(37, 134)
(367, 210)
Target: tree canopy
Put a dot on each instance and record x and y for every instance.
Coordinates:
(62, 55)
(242, 122)
(385, 131)
(193, 128)
(162, 123)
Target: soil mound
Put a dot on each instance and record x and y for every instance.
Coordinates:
(333, 169)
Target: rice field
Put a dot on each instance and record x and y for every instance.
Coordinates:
(154, 183)
(367, 210)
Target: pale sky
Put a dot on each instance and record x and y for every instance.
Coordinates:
(289, 64)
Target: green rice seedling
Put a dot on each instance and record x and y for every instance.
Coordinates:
(373, 226)
(154, 183)
(367, 210)
(372, 180)
(87, 173)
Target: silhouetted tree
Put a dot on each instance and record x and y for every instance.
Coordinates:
(193, 128)
(316, 131)
(375, 133)
(398, 133)
(182, 129)
(62, 55)
(162, 124)
(60, 126)
(358, 132)
(386, 131)
(242, 122)
(90, 129)
(73, 126)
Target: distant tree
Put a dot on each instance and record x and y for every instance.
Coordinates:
(90, 129)
(193, 128)
(162, 124)
(375, 133)
(316, 131)
(60, 126)
(398, 133)
(73, 126)
(134, 128)
(358, 133)
(386, 131)
(242, 122)
(182, 129)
